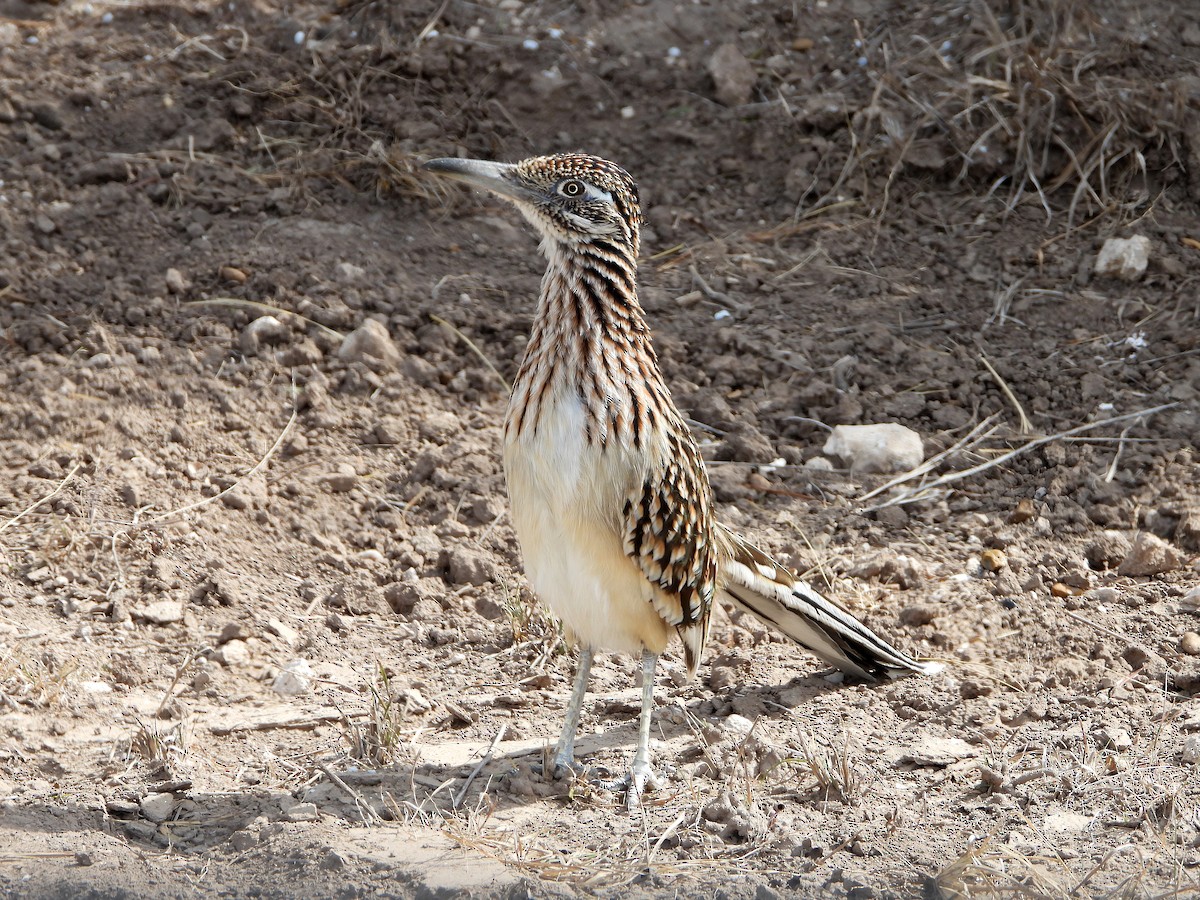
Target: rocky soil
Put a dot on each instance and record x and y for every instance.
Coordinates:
(263, 627)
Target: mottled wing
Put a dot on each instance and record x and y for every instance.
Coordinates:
(752, 581)
(668, 533)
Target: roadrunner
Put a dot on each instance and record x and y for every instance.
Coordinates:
(609, 494)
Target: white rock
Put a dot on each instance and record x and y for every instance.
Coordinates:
(177, 282)
(157, 807)
(263, 330)
(233, 653)
(294, 679)
(738, 724)
(1124, 258)
(349, 273)
(95, 687)
(283, 631)
(164, 612)
(371, 339)
(876, 448)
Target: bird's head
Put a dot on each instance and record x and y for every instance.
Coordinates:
(571, 198)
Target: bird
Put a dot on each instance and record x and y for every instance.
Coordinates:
(608, 492)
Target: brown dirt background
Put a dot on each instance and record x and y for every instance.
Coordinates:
(901, 192)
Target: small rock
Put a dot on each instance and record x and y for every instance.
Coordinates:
(263, 330)
(1113, 739)
(102, 171)
(1108, 550)
(1191, 749)
(302, 812)
(47, 115)
(737, 725)
(305, 353)
(1022, 512)
(891, 516)
(1149, 555)
(83, 858)
(44, 224)
(467, 566)
(1189, 644)
(233, 274)
(732, 75)
(993, 560)
(177, 282)
(349, 273)
(157, 807)
(343, 480)
(1124, 258)
(129, 495)
(284, 632)
(241, 841)
(293, 679)
(333, 861)
(918, 614)
(370, 343)
(163, 612)
(876, 448)
(903, 571)
(721, 677)
(232, 631)
(233, 653)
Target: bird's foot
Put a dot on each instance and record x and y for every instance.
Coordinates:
(641, 775)
(559, 768)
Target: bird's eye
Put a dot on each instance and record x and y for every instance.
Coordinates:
(572, 188)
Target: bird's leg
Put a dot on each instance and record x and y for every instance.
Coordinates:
(564, 753)
(640, 771)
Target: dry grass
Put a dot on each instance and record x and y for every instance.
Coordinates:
(1028, 99)
(32, 680)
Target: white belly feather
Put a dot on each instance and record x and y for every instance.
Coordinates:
(567, 497)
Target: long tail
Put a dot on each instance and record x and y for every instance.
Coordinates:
(752, 581)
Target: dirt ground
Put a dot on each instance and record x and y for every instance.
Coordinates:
(263, 629)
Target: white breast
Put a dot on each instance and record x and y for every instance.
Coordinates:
(567, 505)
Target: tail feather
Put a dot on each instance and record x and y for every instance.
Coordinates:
(752, 581)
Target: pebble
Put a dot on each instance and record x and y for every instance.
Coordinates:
(918, 614)
(157, 807)
(263, 330)
(1190, 643)
(1108, 549)
(884, 448)
(343, 480)
(284, 632)
(1149, 555)
(294, 679)
(467, 566)
(241, 841)
(163, 612)
(1191, 749)
(83, 858)
(233, 653)
(349, 273)
(370, 342)
(177, 282)
(1113, 739)
(1124, 258)
(993, 560)
(333, 861)
(302, 812)
(732, 75)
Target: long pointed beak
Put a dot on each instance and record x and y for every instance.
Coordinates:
(490, 176)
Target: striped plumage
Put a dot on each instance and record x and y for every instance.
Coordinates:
(609, 494)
